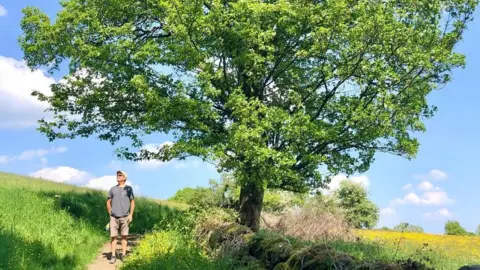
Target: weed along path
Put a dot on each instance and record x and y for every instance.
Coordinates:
(102, 262)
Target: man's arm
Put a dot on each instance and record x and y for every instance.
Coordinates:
(132, 208)
(109, 202)
(132, 204)
(109, 206)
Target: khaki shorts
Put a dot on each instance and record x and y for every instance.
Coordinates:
(118, 223)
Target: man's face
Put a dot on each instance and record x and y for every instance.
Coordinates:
(120, 177)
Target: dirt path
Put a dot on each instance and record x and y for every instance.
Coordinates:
(102, 262)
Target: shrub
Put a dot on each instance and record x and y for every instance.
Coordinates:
(453, 227)
(359, 210)
(192, 196)
(406, 227)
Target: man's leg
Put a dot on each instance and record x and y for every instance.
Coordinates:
(113, 241)
(124, 245)
(124, 234)
(113, 238)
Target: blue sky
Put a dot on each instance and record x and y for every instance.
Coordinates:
(441, 183)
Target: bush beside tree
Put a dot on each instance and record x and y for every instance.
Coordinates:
(360, 211)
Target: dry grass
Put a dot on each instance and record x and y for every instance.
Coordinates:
(310, 224)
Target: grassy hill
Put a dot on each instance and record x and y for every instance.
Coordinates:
(48, 225)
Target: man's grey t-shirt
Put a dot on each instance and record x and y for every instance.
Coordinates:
(121, 197)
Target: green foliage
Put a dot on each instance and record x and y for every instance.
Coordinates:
(360, 212)
(271, 90)
(406, 227)
(477, 231)
(453, 227)
(192, 196)
(171, 250)
(226, 194)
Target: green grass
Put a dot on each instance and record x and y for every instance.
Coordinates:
(47, 225)
(171, 250)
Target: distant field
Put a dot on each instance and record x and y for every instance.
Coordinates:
(443, 251)
(48, 225)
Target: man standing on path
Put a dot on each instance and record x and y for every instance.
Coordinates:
(120, 206)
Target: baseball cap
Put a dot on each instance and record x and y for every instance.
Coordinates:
(123, 173)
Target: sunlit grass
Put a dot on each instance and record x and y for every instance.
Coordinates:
(49, 225)
(171, 250)
(35, 234)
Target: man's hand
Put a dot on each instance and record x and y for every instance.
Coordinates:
(130, 219)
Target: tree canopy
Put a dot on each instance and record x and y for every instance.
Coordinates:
(360, 212)
(270, 90)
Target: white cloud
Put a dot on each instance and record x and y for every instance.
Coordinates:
(437, 174)
(108, 181)
(362, 180)
(153, 164)
(407, 186)
(31, 154)
(428, 198)
(337, 179)
(18, 108)
(62, 174)
(436, 198)
(434, 174)
(442, 213)
(411, 198)
(387, 211)
(102, 183)
(425, 186)
(69, 175)
(34, 153)
(3, 11)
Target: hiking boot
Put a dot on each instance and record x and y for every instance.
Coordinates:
(113, 260)
(120, 256)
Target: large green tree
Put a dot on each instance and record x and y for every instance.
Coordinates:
(271, 90)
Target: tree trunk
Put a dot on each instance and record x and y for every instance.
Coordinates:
(251, 202)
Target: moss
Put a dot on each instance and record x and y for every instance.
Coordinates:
(231, 232)
(270, 248)
(281, 266)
